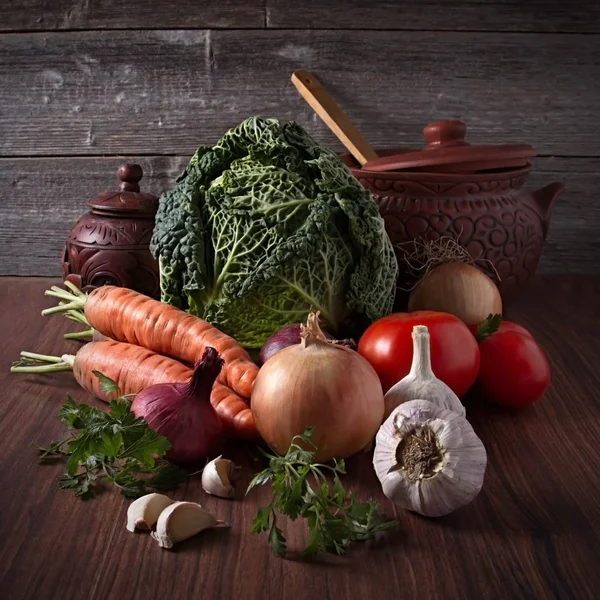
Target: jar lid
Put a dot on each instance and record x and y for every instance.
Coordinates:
(128, 199)
(446, 151)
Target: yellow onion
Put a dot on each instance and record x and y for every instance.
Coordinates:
(318, 384)
(459, 289)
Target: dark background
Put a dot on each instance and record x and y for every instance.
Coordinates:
(87, 84)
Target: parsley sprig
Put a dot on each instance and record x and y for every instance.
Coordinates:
(110, 447)
(334, 518)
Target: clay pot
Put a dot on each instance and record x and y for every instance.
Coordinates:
(111, 243)
(472, 194)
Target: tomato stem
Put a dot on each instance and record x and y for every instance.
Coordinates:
(488, 327)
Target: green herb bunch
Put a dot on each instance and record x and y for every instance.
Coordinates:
(334, 518)
(110, 447)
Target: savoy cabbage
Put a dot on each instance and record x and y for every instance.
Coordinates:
(266, 224)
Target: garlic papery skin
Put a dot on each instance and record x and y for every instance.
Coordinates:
(428, 459)
(217, 477)
(421, 383)
(180, 521)
(143, 513)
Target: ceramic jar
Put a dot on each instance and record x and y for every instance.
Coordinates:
(474, 195)
(110, 243)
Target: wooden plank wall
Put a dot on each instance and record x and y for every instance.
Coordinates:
(86, 85)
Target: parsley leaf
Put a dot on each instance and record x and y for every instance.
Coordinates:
(83, 486)
(129, 484)
(277, 540)
(260, 479)
(146, 447)
(334, 518)
(261, 520)
(110, 447)
(166, 476)
(107, 385)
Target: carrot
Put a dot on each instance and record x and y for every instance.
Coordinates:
(133, 369)
(128, 316)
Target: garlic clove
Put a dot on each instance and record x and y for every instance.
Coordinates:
(429, 459)
(180, 521)
(421, 383)
(217, 477)
(143, 513)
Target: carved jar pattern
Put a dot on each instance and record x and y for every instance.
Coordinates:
(468, 193)
(502, 226)
(111, 243)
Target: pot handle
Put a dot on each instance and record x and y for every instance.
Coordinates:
(544, 199)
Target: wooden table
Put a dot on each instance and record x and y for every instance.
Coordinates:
(532, 533)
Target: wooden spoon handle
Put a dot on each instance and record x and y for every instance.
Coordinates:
(331, 114)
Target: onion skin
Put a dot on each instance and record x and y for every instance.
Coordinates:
(459, 289)
(323, 385)
(182, 412)
(288, 335)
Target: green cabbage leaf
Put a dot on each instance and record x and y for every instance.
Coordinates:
(265, 225)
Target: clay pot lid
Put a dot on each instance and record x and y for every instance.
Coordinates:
(446, 151)
(128, 199)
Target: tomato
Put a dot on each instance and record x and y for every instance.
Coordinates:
(514, 370)
(505, 326)
(387, 345)
(511, 326)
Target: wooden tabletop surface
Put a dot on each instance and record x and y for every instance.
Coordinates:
(533, 532)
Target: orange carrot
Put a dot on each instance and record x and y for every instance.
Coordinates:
(134, 368)
(128, 316)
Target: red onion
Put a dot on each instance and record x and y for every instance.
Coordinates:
(288, 336)
(182, 412)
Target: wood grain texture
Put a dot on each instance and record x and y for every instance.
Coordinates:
(488, 15)
(130, 14)
(42, 198)
(533, 532)
(332, 115)
(166, 92)
(482, 15)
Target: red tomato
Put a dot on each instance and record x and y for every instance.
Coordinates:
(510, 326)
(505, 326)
(514, 369)
(387, 345)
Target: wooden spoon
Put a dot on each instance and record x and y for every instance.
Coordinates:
(331, 114)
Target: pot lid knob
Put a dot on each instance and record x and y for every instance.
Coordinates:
(128, 199)
(129, 176)
(442, 134)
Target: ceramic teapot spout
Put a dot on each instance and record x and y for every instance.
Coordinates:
(545, 198)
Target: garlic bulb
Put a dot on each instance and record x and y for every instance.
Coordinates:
(180, 521)
(421, 383)
(144, 512)
(429, 459)
(217, 477)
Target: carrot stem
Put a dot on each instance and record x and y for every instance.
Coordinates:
(58, 293)
(69, 359)
(74, 289)
(41, 357)
(74, 305)
(79, 335)
(71, 299)
(53, 368)
(77, 315)
(29, 363)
